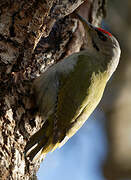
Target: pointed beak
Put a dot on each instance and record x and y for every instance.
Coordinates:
(86, 24)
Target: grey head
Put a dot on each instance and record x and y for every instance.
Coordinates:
(103, 44)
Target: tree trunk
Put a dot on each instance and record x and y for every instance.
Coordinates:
(34, 34)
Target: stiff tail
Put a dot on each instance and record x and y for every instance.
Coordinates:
(41, 142)
(35, 152)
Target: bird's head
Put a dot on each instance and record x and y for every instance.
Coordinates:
(102, 43)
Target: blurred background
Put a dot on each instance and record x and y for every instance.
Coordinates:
(102, 147)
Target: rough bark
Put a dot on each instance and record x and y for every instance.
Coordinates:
(34, 34)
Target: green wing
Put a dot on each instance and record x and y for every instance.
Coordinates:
(73, 95)
(78, 96)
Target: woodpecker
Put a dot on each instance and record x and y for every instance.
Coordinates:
(68, 92)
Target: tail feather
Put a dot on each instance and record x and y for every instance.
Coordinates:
(40, 143)
(36, 152)
(34, 140)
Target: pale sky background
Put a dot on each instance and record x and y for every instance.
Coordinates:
(81, 157)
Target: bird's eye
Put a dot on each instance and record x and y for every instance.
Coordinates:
(101, 35)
